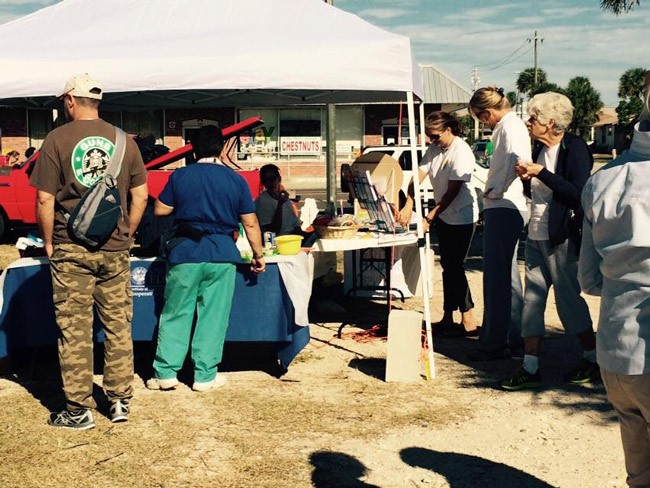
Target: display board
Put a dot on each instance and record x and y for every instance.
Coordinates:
(381, 213)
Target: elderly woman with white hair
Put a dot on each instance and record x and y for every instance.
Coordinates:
(553, 181)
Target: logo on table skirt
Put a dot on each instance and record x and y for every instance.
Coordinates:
(138, 276)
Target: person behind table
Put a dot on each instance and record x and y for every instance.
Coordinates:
(449, 163)
(273, 207)
(504, 215)
(553, 180)
(208, 200)
(85, 280)
(12, 158)
(615, 265)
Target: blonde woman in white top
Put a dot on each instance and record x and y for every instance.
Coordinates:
(449, 163)
(505, 214)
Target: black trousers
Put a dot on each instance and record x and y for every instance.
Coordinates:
(454, 241)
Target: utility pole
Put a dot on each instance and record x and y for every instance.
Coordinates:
(534, 40)
(475, 81)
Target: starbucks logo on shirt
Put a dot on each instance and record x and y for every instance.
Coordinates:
(90, 157)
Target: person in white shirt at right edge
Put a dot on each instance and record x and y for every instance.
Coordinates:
(505, 214)
(615, 264)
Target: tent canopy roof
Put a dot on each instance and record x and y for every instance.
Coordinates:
(200, 53)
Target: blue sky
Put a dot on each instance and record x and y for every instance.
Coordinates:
(579, 38)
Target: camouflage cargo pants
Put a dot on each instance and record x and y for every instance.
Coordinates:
(83, 281)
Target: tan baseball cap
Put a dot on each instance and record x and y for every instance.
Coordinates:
(83, 86)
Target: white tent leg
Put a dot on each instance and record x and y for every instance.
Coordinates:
(424, 270)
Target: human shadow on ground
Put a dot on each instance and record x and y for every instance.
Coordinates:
(466, 471)
(337, 470)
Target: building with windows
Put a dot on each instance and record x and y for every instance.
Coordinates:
(293, 137)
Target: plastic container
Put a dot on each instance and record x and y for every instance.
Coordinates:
(289, 244)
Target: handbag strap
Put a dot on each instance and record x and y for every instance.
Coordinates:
(118, 153)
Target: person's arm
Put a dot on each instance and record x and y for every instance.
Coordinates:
(502, 171)
(45, 218)
(452, 192)
(254, 236)
(160, 209)
(590, 276)
(139, 195)
(407, 210)
(579, 162)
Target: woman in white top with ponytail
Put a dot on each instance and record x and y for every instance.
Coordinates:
(505, 214)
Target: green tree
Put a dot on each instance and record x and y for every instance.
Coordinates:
(630, 91)
(526, 80)
(586, 105)
(545, 87)
(512, 98)
(618, 7)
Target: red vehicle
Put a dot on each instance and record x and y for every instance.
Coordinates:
(18, 197)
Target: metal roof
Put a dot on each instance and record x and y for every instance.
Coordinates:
(441, 88)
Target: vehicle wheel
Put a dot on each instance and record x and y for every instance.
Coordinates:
(3, 225)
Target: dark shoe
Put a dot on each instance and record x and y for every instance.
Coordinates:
(584, 372)
(456, 331)
(82, 420)
(522, 380)
(119, 411)
(480, 355)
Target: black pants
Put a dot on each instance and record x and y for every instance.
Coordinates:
(454, 241)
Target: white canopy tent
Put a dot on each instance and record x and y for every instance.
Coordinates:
(175, 53)
(210, 53)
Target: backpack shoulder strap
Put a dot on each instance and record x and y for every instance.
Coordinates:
(118, 153)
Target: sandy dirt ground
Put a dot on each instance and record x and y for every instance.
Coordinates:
(331, 421)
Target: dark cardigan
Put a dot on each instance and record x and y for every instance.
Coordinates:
(573, 168)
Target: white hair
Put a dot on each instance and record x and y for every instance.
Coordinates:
(552, 105)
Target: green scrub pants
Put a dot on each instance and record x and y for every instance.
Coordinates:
(205, 290)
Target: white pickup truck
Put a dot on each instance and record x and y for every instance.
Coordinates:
(403, 155)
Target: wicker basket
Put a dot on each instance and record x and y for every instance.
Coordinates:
(336, 231)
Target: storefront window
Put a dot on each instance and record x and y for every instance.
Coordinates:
(262, 142)
(298, 134)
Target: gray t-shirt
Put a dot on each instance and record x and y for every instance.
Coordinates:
(265, 207)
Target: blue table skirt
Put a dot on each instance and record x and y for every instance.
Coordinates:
(261, 312)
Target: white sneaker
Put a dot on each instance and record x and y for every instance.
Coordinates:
(217, 382)
(156, 384)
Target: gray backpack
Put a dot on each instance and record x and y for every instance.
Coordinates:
(97, 214)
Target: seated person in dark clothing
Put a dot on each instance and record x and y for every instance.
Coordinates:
(273, 207)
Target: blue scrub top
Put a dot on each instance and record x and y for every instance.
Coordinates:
(209, 197)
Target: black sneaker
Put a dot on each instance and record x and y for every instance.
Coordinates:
(82, 420)
(584, 372)
(522, 380)
(119, 411)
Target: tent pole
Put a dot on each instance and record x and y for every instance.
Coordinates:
(331, 157)
(424, 270)
(423, 147)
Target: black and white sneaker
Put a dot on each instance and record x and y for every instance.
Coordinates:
(119, 411)
(82, 420)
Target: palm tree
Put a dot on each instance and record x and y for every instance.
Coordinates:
(618, 7)
(586, 104)
(526, 80)
(630, 91)
(631, 83)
